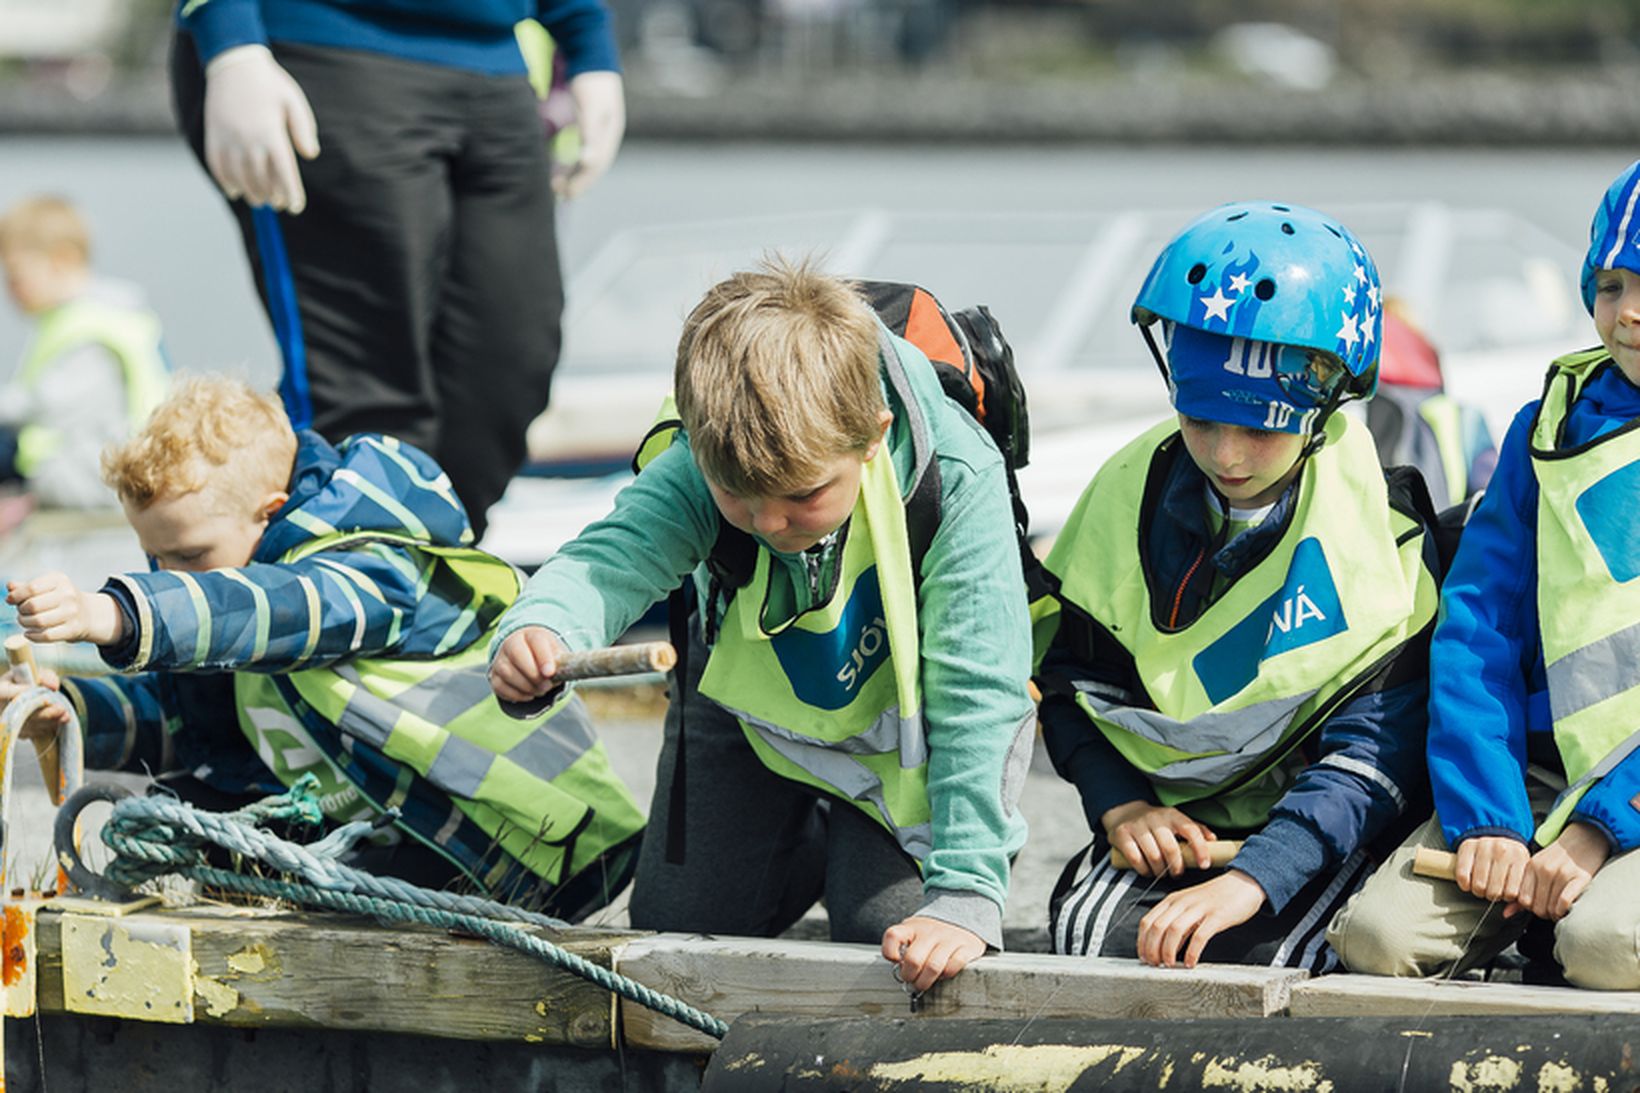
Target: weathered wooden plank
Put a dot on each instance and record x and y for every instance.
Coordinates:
(728, 977)
(1383, 996)
(337, 972)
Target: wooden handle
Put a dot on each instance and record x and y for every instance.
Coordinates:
(26, 670)
(1437, 864)
(1219, 852)
(20, 653)
(617, 660)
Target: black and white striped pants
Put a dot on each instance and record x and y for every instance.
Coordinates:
(1096, 911)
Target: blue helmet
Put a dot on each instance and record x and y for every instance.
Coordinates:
(1282, 275)
(1614, 237)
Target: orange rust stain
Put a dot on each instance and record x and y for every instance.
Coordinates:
(15, 961)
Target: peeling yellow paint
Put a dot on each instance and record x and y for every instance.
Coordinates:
(122, 968)
(1492, 1074)
(1556, 1077)
(1264, 1075)
(219, 998)
(1600, 1085)
(541, 1007)
(1423, 1034)
(533, 1038)
(1007, 1068)
(1167, 1075)
(748, 1061)
(253, 959)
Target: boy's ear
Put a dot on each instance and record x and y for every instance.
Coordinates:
(271, 504)
(885, 418)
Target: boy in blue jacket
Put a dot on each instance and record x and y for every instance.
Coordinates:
(1243, 596)
(318, 609)
(1535, 678)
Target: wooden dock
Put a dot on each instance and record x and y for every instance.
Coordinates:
(310, 980)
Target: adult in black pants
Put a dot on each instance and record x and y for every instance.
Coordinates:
(420, 238)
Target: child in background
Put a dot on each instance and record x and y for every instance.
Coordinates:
(1241, 598)
(1535, 682)
(1416, 423)
(318, 609)
(92, 371)
(855, 717)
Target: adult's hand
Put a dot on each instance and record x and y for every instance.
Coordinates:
(600, 108)
(257, 121)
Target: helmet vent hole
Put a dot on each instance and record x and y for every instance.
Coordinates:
(1197, 272)
(1281, 208)
(1286, 228)
(1335, 231)
(1264, 289)
(1236, 216)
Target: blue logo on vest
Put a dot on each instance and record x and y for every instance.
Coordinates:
(1608, 513)
(1305, 611)
(828, 669)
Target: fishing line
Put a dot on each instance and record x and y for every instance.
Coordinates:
(1126, 914)
(1412, 1037)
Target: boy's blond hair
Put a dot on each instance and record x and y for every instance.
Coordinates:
(45, 225)
(777, 376)
(214, 433)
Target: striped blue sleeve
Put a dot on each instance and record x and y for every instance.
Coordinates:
(123, 720)
(1370, 769)
(302, 614)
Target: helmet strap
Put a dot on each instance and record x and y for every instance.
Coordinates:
(1156, 354)
(1318, 429)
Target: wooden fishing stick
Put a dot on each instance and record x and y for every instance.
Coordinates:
(1436, 864)
(1219, 854)
(25, 670)
(617, 660)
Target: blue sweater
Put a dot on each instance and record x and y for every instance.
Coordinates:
(475, 35)
(1489, 699)
(1365, 763)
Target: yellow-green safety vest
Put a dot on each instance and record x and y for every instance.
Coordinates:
(1444, 416)
(1236, 690)
(1588, 557)
(132, 335)
(538, 787)
(833, 697)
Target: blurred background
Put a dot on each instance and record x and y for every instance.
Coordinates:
(1031, 155)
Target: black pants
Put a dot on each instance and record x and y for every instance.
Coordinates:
(760, 848)
(426, 262)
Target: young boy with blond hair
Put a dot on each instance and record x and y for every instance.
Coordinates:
(317, 609)
(1534, 757)
(851, 717)
(93, 369)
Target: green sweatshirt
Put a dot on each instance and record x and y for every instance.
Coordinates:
(974, 628)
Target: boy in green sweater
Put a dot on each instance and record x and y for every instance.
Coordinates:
(846, 734)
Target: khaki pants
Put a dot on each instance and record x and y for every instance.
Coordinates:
(1400, 924)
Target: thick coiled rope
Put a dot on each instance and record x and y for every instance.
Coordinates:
(155, 836)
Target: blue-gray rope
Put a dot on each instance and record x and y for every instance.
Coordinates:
(155, 836)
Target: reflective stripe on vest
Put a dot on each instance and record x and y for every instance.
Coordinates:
(1342, 589)
(543, 789)
(1588, 556)
(832, 698)
(132, 335)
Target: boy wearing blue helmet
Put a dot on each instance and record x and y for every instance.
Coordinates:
(1241, 596)
(1535, 679)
